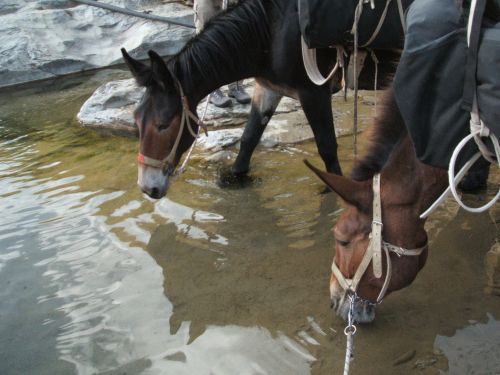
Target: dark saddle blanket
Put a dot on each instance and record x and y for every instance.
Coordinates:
(429, 82)
(324, 23)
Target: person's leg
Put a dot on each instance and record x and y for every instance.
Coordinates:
(237, 91)
(204, 10)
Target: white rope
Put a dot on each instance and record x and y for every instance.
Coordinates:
(478, 130)
(183, 166)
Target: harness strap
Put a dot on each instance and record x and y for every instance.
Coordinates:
(187, 115)
(379, 25)
(311, 64)
(399, 251)
(374, 252)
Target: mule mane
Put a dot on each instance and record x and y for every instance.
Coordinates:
(387, 131)
(223, 48)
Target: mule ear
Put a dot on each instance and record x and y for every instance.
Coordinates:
(161, 74)
(356, 193)
(141, 72)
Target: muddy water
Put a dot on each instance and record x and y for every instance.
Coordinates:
(97, 279)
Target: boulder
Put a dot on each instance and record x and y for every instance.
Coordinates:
(47, 38)
(112, 106)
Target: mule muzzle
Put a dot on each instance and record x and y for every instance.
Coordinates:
(364, 311)
(154, 182)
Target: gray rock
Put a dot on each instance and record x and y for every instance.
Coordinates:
(46, 38)
(112, 105)
(220, 157)
(220, 139)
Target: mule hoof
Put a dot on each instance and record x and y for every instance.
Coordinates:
(227, 179)
(474, 181)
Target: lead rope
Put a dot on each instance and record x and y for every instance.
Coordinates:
(183, 166)
(349, 332)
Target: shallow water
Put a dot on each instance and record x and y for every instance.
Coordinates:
(98, 279)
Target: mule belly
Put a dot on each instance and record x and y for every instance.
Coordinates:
(280, 89)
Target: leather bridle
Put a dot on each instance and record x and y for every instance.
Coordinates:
(374, 253)
(167, 164)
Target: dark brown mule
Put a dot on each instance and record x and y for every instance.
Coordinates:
(407, 188)
(258, 38)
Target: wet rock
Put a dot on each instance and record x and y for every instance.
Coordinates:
(424, 363)
(286, 131)
(405, 357)
(221, 157)
(46, 38)
(219, 139)
(112, 105)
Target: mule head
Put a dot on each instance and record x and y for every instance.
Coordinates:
(158, 119)
(401, 227)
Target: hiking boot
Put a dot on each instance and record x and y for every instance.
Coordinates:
(237, 91)
(220, 100)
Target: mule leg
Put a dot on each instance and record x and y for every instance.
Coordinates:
(477, 177)
(317, 107)
(264, 103)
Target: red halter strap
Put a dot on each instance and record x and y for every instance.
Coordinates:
(150, 162)
(186, 118)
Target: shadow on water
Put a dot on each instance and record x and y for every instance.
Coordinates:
(98, 279)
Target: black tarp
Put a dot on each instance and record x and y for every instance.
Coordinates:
(429, 81)
(324, 23)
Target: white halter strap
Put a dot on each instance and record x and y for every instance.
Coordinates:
(374, 251)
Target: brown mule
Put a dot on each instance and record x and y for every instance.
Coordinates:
(407, 188)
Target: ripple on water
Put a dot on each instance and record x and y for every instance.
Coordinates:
(96, 278)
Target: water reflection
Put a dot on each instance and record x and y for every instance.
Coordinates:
(97, 278)
(473, 349)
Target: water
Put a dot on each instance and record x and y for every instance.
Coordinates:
(98, 279)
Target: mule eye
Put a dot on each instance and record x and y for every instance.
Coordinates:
(343, 243)
(162, 127)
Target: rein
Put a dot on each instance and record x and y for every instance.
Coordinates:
(166, 164)
(374, 253)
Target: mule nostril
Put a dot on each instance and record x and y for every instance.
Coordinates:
(155, 192)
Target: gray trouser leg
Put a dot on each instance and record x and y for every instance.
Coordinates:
(204, 10)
